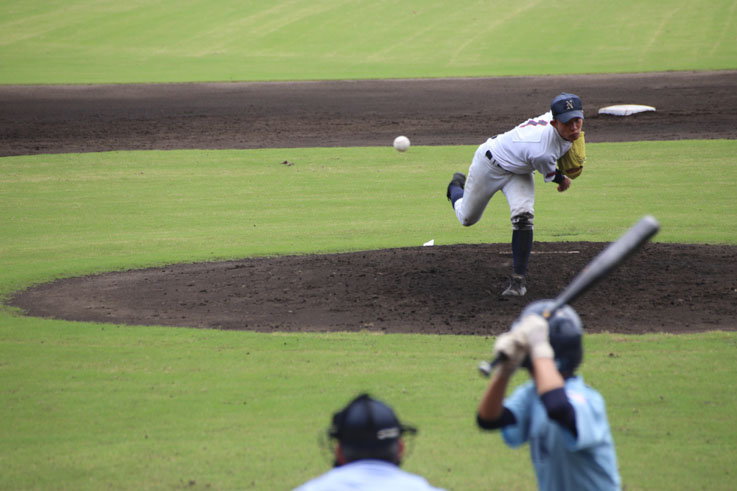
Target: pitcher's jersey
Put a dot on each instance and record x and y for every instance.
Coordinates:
(532, 145)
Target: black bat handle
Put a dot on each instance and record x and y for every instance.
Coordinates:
(486, 367)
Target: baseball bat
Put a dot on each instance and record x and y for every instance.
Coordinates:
(599, 267)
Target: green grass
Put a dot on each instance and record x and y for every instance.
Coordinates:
(74, 214)
(134, 407)
(101, 41)
(90, 406)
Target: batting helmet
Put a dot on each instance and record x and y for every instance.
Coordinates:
(565, 331)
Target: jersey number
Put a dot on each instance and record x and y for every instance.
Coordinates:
(534, 122)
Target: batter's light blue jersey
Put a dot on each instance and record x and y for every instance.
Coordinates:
(562, 461)
(368, 475)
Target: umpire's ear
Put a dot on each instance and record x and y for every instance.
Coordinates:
(339, 457)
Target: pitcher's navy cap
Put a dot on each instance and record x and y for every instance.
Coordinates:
(566, 107)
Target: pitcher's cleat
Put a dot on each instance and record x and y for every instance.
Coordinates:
(516, 286)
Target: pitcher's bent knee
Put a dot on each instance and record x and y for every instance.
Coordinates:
(523, 221)
(466, 221)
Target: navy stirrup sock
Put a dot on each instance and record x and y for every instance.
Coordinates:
(456, 193)
(521, 248)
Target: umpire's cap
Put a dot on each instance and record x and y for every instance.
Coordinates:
(367, 423)
(565, 331)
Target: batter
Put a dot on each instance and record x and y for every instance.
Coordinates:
(563, 419)
(507, 163)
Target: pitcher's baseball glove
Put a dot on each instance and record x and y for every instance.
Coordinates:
(571, 163)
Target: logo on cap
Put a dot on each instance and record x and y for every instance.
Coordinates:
(367, 422)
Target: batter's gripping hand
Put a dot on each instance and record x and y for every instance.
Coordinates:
(571, 163)
(511, 347)
(534, 329)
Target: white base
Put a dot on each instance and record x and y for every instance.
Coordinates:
(625, 109)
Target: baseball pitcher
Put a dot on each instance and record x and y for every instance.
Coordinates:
(507, 163)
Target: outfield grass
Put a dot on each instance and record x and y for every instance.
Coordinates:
(74, 214)
(90, 406)
(100, 41)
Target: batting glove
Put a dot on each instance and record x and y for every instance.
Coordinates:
(511, 347)
(535, 331)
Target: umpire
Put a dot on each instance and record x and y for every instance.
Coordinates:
(368, 449)
(563, 419)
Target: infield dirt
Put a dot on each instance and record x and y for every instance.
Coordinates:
(442, 290)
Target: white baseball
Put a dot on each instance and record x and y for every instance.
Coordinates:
(401, 143)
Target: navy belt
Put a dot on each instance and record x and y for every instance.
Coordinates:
(494, 162)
